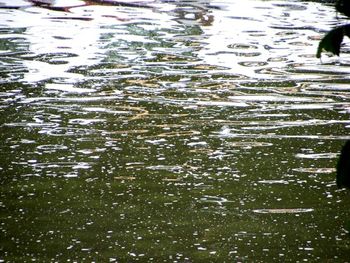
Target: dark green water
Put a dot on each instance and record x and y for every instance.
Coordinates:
(193, 131)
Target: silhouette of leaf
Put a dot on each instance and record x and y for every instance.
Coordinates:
(343, 6)
(343, 167)
(331, 42)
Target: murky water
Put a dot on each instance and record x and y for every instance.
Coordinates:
(190, 131)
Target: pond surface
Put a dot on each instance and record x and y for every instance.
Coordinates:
(182, 131)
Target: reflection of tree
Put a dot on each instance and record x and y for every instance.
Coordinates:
(53, 5)
(197, 12)
(332, 41)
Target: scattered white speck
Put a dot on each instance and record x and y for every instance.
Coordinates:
(71, 175)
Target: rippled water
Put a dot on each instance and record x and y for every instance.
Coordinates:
(182, 131)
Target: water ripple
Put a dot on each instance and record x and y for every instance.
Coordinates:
(124, 121)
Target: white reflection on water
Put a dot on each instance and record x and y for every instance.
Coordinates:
(68, 88)
(75, 38)
(251, 38)
(260, 36)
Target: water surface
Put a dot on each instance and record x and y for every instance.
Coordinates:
(185, 131)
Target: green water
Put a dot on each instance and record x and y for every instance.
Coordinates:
(192, 131)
